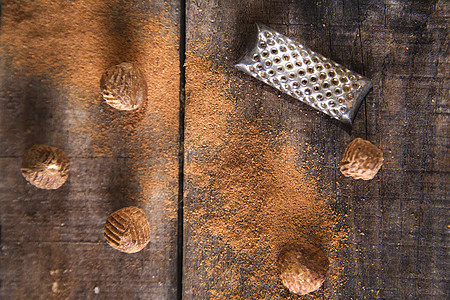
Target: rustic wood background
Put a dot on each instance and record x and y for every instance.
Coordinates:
(398, 244)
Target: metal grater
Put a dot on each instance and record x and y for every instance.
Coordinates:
(304, 74)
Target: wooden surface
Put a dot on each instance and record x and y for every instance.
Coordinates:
(52, 244)
(397, 244)
(393, 238)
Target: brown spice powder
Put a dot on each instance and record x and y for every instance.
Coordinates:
(69, 44)
(253, 193)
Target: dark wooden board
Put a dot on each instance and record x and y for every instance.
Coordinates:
(398, 241)
(52, 244)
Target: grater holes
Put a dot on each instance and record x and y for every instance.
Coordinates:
(286, 57)
(313, 79)
(324, 105)
(283, 49)
(344, 79)
(316, 88)
(307, 91)
(280, 41)
(311, 99)
(352, 77)
(304, 81)
(291, 75)
(263, 74)
(328, 94)
(319, 97)
(338, 91)
(327, 66)
(267, 34)
(295, 54)
(339, 72)
(298, 63)
(274, 51)
(270, 42)
(319, 68)
(315, 59)
(283, 78)
(265, 53)
(310, 70)
(262, 44)
(287, 86)
(259, 66)
(268, 63)
(280, 69)
(307, 61)
(341, 100)
(295, 84)
(334, 81)
(346, 88)
(323, 76)
(350, 97)
(271, 72)
(332, 104)
(301, 72)
(291, 47)
(256, 57)
(276, 81)
(251, 69)
(355, 85)
(334, 111)
(303, 53)
(277, 60)
(325, 85)
(343, 109)
(331, 74)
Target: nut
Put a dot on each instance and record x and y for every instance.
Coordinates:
(127, 230)
(124, 87)
(361, 160)
(45, 167)
(303, 268)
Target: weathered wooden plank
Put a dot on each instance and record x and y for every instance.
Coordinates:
(394, 235)
(53, 55)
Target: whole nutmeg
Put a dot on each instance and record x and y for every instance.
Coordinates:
(127, 230)
(45, 167)
(303, 268)
(361, 160)
(124, 87)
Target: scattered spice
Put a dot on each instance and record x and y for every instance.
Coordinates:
(69, 44)
(250, 193)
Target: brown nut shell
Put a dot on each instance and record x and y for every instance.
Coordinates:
(45, 167)
(361, 160)
(127, 230)
(303, 268)
(124, 87)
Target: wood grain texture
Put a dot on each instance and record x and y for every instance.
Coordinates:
(52, 244)
(398, 243)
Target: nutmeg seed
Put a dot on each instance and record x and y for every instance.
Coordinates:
(127, 230)
(45, 167)
(361, 160)
(303, 268)
(124, 87)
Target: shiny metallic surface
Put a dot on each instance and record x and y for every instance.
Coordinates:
(304, 74)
